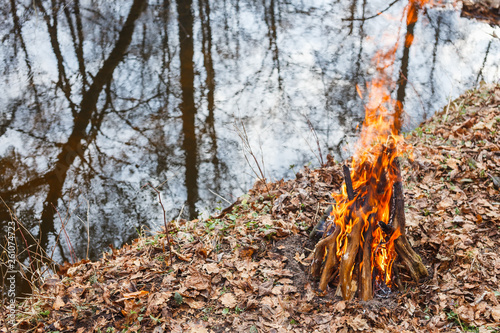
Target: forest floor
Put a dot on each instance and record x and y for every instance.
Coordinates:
(246, 270)
(483, 10)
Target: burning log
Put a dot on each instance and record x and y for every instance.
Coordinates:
(365, 234)
(366, 272)
(347, 283)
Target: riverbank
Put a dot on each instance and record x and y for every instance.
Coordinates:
(247, 269)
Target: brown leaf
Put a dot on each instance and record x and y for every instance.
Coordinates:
(51, 283)
(58, 303)
(246, 252)
(105, 296)
(75, 292)
(278, 204)
(495, 313)
(197, 281)
(285, 281)
(267, 311)
(228, 300)
(340, 306)
(453, 163)
(466, 313)
(305, 307)
(277, 290)
(183, 257)
(197, 327)
(160, 298)
(158, 329)
(194, 304)
(136, 294)
(300, 258)
(309, 293)
(266, 287)
(322, 319)
(211, 268)
(445, 203)
(358, 324)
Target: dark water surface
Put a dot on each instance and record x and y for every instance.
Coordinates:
(99, 98)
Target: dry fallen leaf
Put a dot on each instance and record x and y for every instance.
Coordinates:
(194, 304)
(228, 300)
(197, 281)
(266, 287)
(466, 313)
(445, 203)
(160, 298)
(246, 252)
(453, 163)
(198, 329)
(135, 294)
(58, 303)
(322, 319)
(340, 306)
(211, 268)
(158, 329)
(495, 313)
(358, 324)
(277, 290)
(300, 258)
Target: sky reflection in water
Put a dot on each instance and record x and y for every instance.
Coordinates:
(100, 99)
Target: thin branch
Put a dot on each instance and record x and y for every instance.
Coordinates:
(220, 196)
(88, 229)
(416, 92)
(242, 133)
(167, 230)
(373, 16)
(320, 159)
(63, 227)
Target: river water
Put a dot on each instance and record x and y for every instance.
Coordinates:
(101, 98)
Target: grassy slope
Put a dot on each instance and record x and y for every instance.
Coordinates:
(247, 269)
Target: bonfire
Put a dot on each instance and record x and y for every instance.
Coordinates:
(364, 241)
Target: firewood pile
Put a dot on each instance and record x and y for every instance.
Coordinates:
(364, 243)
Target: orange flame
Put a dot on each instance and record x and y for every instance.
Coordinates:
(373, 170)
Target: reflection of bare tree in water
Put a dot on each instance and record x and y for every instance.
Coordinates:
(159, 147)
(338, 98)
(434, 57)
(412, 18)
(84, 114)
(187, 106)
(272, 34)
(73, 147)
(209, 124)
(92, 89)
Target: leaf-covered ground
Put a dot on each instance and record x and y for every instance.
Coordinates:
(247, 269)
(483, 10)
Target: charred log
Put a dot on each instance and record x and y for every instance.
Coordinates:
(407, 255)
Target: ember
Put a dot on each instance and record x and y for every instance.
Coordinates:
(365, 234)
